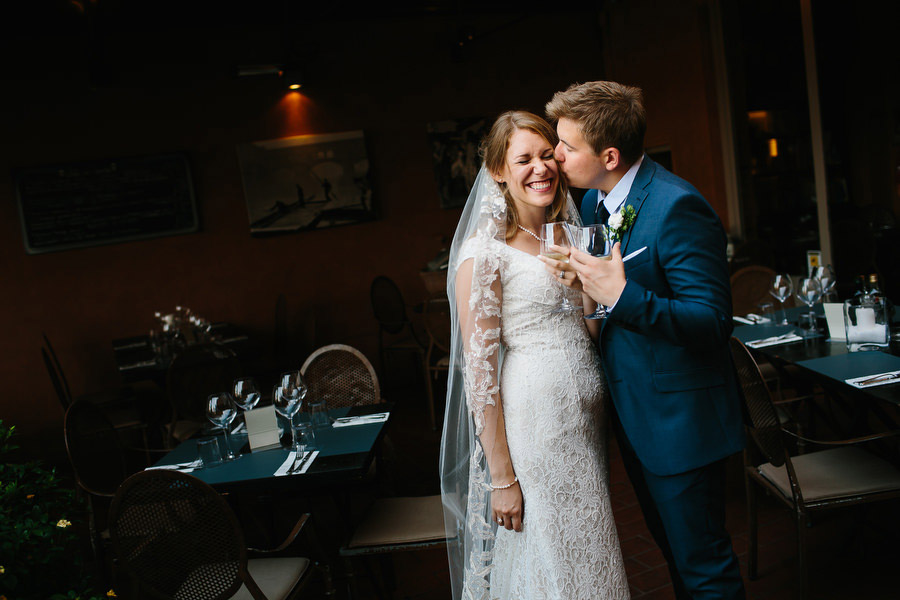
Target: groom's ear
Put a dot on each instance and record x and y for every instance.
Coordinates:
(611, 158)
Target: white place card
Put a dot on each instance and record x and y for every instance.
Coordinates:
(262, 428)
(834, 316)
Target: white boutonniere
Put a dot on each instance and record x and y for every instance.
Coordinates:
(620, 222)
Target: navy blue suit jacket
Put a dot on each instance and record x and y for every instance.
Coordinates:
(665, 344)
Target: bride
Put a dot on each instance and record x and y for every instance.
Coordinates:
(523, 460)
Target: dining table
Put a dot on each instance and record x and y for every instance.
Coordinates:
(827, 360)
(343, 455)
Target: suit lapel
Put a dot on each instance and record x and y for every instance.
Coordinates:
(638, 194)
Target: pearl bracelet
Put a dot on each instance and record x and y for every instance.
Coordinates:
(503, 487)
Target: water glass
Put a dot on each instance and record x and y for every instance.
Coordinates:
(209, 452)
(304, 438)
(318, 413)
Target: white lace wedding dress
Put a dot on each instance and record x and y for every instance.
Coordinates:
(550, 385)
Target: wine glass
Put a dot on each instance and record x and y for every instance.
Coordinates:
(825, 275)
(287, 404)
(594, 240)
(809, 292)
(558, 234)
(781, 289)
(246, 394)
(221, 411)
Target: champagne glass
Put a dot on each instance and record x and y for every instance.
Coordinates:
(558, 234)
(221, 410)
(594, 240)
(809, 292)
(781, 289)
(825, 275)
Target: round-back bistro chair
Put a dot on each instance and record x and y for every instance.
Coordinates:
(343, 375)
(808, 484)
(749, 287)
(178, 538)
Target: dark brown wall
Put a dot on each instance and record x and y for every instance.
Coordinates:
(388, 77)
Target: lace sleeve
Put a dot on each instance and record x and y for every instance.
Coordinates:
(479, 297)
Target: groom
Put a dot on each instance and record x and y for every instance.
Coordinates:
(665, 342)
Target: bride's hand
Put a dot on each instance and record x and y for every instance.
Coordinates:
(508, 507)
(563, 273)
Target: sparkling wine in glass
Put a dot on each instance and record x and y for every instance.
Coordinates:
(221, 411)
(595, 240)
(559, 234)
(781, 289)
(808, 292)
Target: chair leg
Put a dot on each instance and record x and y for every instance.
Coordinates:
(752, 528)
(429, 393)
(802, 577)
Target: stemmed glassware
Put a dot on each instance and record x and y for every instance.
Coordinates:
(221, 411)
(781, 289)
(559, 234)
(594, 240)
(825, 275)
(809, 292)
(245, 393)
(288, 399)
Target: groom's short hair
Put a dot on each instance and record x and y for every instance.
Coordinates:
(610, 115)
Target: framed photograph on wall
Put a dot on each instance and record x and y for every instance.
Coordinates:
(306, 182)
(454, 147)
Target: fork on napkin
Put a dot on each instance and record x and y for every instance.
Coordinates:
(785, 338)
(361, 419)
(873, 380)
(289, 468)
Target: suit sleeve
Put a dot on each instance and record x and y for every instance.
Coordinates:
(695, 310)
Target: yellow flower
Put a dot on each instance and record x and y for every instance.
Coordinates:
(111, 594)
(62, 523)
(29, 496)
(2, 571)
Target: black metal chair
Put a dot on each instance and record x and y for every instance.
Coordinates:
(402, 524)
(808, 484)
(195, 373)
(178, 538)
(436, 318)
(100, 463)
(395, 330)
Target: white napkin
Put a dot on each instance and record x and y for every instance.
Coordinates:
(289, 461)
(361, 420)
(874, 380)
(185, 467)
(787, 338)
(752, 319)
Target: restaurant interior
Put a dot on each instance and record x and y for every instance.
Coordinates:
(189, 124)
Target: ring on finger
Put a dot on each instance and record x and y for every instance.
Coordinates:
(562, 274)
(499, 520)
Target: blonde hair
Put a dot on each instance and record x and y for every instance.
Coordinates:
(609, 114)
(493, 152)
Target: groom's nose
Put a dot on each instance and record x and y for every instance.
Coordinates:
(558, 153)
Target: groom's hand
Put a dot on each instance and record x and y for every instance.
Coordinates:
(602, 279)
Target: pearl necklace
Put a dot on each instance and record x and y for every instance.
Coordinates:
(529, 232)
